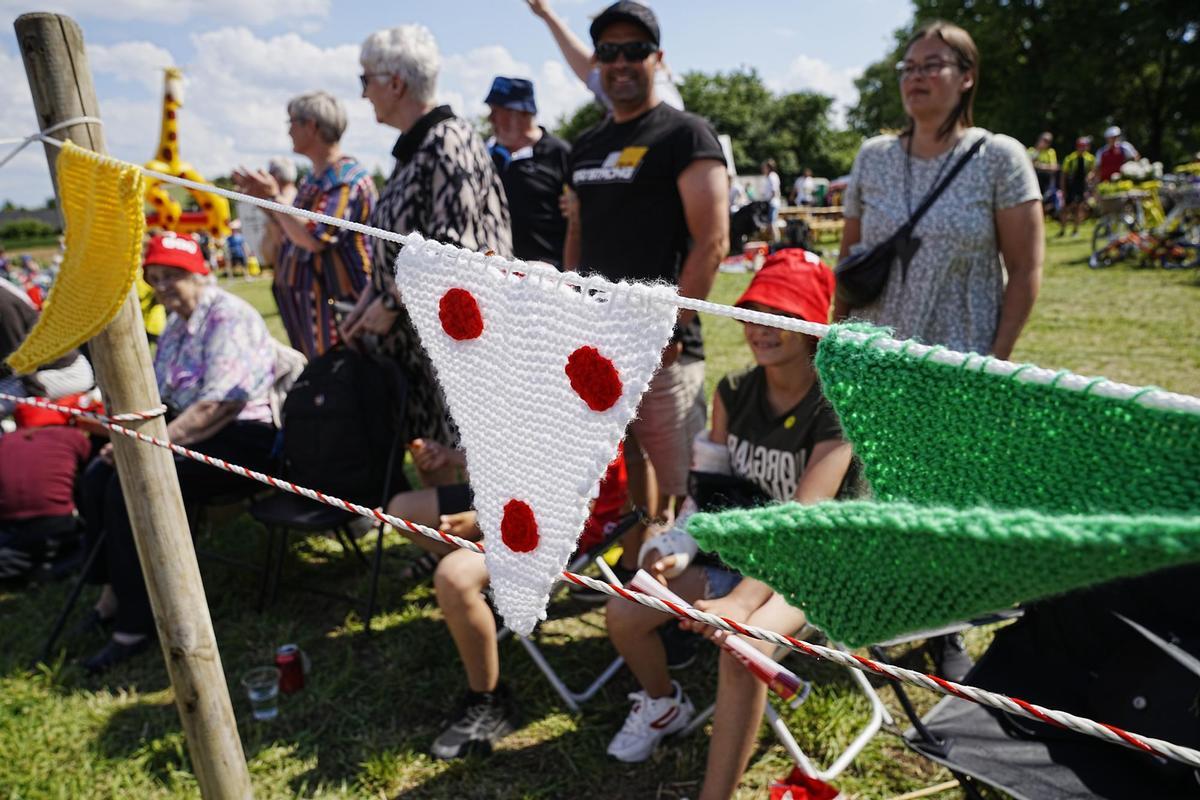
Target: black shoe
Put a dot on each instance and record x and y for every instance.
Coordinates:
(112, 654)
(479, 721)
(681, 645)
(950, 657)
(91, 624)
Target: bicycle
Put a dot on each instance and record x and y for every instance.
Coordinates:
(1134, 225)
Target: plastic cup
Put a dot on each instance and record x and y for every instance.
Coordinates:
(262, 687)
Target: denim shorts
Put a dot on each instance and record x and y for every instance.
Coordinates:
(719, 582)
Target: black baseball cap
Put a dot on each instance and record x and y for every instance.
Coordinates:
(626, 11)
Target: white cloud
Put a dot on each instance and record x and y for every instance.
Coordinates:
(235, 104)
(812, 74)
(132, 62)
(177, 12)
(25, 179)
(466, 78)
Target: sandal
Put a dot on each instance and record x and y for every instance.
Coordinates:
(419, 570)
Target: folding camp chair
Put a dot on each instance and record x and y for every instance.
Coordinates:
(1124, 654)
(879, 717)
(879, 714)
(285, 513)
(594, 555)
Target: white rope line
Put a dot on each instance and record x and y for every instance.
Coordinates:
(1151, 397)
(932, 683)
(43, 135)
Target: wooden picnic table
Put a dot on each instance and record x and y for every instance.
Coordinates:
(820, 219)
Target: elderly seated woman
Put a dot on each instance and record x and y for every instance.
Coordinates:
(215, 368)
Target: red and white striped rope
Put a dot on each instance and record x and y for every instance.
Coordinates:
(138, 416)
(1010, 705)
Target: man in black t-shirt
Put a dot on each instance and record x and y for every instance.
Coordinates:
(652, 191)
(532, 165)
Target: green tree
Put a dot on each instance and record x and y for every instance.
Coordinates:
(794, 128)
(1069, 66)
(571, 125)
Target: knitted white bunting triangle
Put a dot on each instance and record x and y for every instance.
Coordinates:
(541, 379)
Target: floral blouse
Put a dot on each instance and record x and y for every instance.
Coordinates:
(223, 352)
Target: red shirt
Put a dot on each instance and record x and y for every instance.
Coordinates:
(606, 509)
(37, 471)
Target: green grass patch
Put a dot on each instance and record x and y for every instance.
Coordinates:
(374, 703)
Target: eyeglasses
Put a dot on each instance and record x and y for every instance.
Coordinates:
(607, 52)
(907, 69)
(366, 77)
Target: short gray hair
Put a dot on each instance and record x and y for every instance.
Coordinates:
(322, 108)
(283, 169)
(409, 52)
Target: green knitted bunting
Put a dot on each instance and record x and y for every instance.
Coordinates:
(865, 572)
(935, 434)
(996, 492)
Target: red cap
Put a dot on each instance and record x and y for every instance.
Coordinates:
(793, 281)
(170, 250)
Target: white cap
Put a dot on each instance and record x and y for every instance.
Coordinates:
(1111, 132)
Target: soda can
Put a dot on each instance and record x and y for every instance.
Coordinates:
(290, 660)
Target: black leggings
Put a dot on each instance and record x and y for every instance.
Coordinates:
(248, 444)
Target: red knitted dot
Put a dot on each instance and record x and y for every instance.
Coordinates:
(459, 313)
(170, 113)
(519, 528)
(166, 154)
(171, 136)
(594, 378)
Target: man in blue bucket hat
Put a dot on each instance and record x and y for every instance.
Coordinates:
(532, 164)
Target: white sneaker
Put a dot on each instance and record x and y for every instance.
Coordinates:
(648, 722)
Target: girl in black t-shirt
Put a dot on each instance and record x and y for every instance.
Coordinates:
(772, 428)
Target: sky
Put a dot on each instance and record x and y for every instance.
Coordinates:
(243, 60)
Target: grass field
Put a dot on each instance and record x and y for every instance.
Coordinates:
(375, 702)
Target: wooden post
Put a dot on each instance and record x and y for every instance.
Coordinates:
(61, 84)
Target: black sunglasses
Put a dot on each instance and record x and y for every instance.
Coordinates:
(366, 77)
(607, 52)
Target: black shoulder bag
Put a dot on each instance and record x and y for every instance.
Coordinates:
(861, 277)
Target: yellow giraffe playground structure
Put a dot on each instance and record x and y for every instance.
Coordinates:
(213, 217)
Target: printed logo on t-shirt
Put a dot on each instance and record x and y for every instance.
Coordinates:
(777, 472)
(619, 166)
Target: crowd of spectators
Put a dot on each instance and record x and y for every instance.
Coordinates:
(644, 195)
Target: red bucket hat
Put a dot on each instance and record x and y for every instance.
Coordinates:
(180, 252)
(793, 281)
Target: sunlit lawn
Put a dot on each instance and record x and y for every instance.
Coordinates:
(375, 702)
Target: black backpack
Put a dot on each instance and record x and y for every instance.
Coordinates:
(341, 427)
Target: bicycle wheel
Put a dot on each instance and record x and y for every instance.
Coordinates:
(1181, 255)
(1106, 246)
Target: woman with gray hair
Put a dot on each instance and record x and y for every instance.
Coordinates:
(317, 263)
(443, 187)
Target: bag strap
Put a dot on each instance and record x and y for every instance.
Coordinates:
(941, 187)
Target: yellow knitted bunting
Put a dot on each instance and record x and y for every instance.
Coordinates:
(101, 200)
